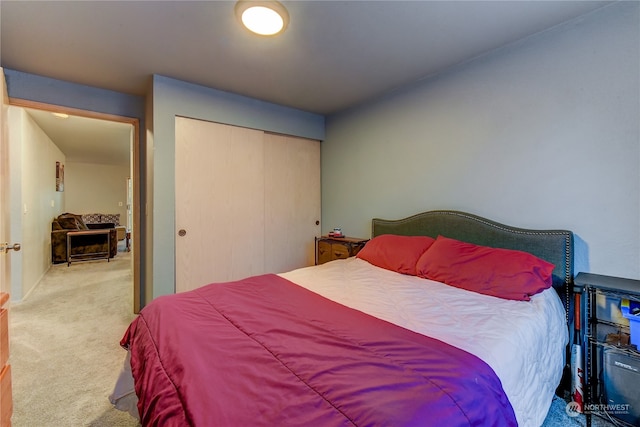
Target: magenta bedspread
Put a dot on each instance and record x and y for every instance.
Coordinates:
(264, 351)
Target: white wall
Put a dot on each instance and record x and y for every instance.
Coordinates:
(88, 188)
(541, 134)
(33, 159)
(96, 188)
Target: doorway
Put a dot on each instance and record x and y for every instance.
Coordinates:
(131, 208)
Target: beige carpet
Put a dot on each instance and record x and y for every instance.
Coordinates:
(64, 343)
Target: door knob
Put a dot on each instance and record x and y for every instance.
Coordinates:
(6, 247)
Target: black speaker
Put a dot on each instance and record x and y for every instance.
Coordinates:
(621, 384)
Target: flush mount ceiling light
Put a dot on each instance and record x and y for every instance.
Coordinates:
(266, 18)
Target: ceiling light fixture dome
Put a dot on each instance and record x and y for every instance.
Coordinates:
(266, 18)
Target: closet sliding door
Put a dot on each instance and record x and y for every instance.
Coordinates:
(247, 202)
(292, 211)
(219, 203)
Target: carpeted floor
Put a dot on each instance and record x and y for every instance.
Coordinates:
(557, 417)
(64, 348)
(65, 355)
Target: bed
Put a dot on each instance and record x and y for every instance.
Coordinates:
(369, 340)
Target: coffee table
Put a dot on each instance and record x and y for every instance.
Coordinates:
(88, 256)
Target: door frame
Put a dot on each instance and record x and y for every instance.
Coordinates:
(5, 271)
(135, 122)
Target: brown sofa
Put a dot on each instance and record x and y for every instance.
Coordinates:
(81, 244)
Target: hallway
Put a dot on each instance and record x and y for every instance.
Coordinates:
(64, 340)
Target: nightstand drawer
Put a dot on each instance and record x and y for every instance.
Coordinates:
(6, 400)
(324, 253)
(331, 248)
(4, 337)
(340, 251)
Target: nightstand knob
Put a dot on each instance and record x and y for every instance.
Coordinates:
(182, 232)
(317, 222)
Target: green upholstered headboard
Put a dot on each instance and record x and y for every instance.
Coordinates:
(555, 246)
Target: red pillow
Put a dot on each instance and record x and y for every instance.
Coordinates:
(503, 273)
(395, 253)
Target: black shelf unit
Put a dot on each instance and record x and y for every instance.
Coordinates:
(596, 332)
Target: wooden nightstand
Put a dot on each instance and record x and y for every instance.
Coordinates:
(6, 401)
(329, 248)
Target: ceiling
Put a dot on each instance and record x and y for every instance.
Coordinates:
(333, 56)
(87, 140)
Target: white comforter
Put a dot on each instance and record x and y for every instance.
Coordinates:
(524, 342)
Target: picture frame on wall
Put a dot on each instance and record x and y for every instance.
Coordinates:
(59, 176)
